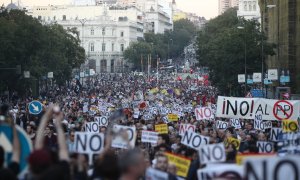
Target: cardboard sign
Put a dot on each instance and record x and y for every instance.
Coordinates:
(149, 137)
(182, 164)
(86, 142)
(125, 136)
(268, 124)
(222, 125)
(102, 120)
(236, 123)
(212, 153)
(186, 127)
(287, 167)
(290, 126)
(154, 174)
(204, 113)
(194, 140)
(259, 125)
(247, 108)
(92, 127)
(162, 128)
(172, 117)
(213, 171)
(233, 141)
(275, 133)
(265, 147)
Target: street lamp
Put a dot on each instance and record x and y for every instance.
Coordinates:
(245, 58)
(82, 21)
(169, 47)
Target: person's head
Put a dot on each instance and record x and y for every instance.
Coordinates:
(161, 162)
(262, 137)
(72, 135)
(249, 126)
(172, 169)
(163, 139)
(29, 129)
(102, 129)
(132, 163)
(48, 130)
(39, 161)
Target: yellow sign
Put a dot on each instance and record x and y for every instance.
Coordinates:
(240, 158)
(182, 164)
(172, 117)
(232, 141)
(290, 126)
(161, 128)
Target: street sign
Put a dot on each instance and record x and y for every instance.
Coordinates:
(241, 78)
(50, 75)
(256, 77)
(272, 74)
(26, 74)
(257, 93)
(35, 107)
(6, 139)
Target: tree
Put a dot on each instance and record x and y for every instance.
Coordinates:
(37, 48)
(221, 47)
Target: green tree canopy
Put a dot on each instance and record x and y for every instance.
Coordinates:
(221, 47)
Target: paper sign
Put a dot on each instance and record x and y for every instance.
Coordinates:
(92, 127)
(162, 128)
(236, 123)
(259, 125)
(102, 120)
(125, 136)
(149, 137)
(172, 117)
(275, 132)
(265, 147)
(213, 171)
(194, 140)
(204, 113)
(186, 127)
(222, 125)
(289, 126)
(86, 142)
(232, 141)
(182, 164)
(212, 153)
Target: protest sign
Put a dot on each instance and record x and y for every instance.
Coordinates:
(275, 132)
(259, 125)
(102, 120)
(186, 127)
(236, 123)
(212, 153)
(247, 108)
(289, 126)
(287, 167)
(215, 171)
(86, 142)
(204, 113)
(222, 125)
(162, 128)
(194, 140)
(232, 141)
(268, 124)
(182, 164)
(240, 158)
(172, 117)
(265, 147)
(154, 174)
(125, 136)
(92, 127)
(149, 137)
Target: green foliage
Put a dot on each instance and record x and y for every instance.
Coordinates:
(221, 47)
(158, 45)
(37, 48)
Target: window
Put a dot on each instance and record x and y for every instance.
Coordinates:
(254, 6)
(64, 17)
(92, 31)
(92, 47)
(103, 31)
(122, 47)
(250, 6)
(113, 32)
(122, 34)
(245, 6)
(112, 46)
(103, 47)
(54, 18)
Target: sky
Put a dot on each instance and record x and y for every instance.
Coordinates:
(206, 8)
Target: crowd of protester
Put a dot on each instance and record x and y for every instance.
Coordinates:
(67, 109)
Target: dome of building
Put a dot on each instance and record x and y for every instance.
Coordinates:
(11, 6)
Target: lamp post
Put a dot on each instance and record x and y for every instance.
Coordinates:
(82, 21)
(169, 47)
(245, 57)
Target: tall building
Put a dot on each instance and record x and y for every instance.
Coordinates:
(226, 4)
(281, 24)
(249, 9)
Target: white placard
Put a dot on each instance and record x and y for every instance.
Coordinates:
(194, 140)
(102, 120)
(241, 78)
(119, 140)
(212, 153)
(236, 123)
(272, 74)
(275, 132)
(265, 147)
(256, 77)
(259, 125)
(269, 168)
(86, 142)
(268, 124)
(204, 113)
(221, 125)
(92, 127)
(149, 137)
(186, 127)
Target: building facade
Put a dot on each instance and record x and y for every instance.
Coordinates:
(281, 24)
(105, 32)
(226, 4)
(249, 9)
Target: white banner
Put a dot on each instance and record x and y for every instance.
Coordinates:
(86, 142)
(194, 140)
(212, 153)
(247, 108)
(149, 137)
(204, 113)
(125, 136)
(186, 127)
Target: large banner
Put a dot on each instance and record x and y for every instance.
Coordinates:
(248, 108)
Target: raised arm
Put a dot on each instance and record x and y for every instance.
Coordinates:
(63, 149)
(39, 142)
(16, 144)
